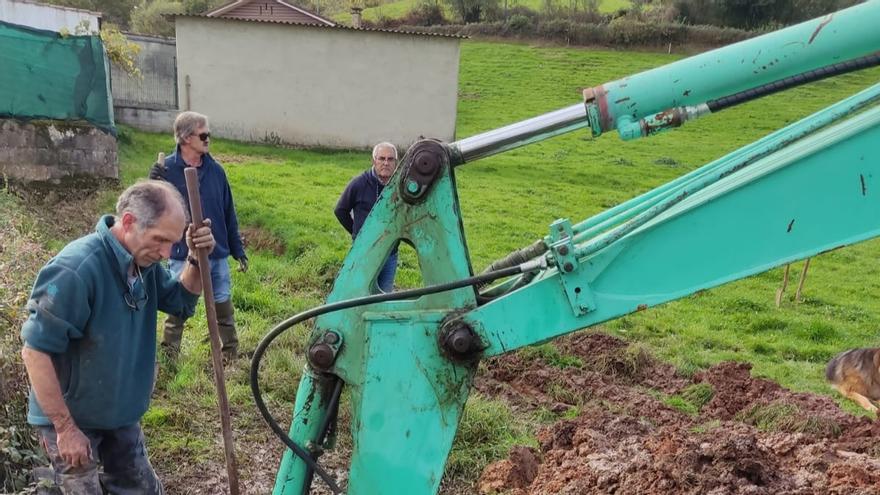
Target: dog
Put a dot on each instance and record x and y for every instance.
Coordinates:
(856, 374)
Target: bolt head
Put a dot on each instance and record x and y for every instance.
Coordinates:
(321, 356)
(568, 267)
(563, 250)
(461, 343)
(412, 186)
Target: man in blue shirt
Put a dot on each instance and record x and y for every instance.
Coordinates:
(359, 197)
(193, 140)
(90, 345)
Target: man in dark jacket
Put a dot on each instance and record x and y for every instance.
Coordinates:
(193, 139)
(359, 197)
(90, 340)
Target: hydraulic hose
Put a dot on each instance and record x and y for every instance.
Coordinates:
(329, 420)
(832, 70)
(306, 457)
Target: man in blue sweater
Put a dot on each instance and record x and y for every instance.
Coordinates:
(359, 197)
(193, 140)
(90, 341)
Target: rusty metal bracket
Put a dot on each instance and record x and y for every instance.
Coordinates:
(571, 274)
(426, 160)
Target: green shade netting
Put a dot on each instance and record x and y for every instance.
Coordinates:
(44, 75)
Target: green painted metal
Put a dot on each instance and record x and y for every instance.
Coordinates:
(564, 256)
(787, 206)
(401, 441)
(844, 35)
(311, 400)
(724, 167)
(390, 361)
(614, 216)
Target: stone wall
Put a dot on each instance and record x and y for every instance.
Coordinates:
(56, 153)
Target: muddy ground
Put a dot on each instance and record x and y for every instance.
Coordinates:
(750, 436)
(616, 433)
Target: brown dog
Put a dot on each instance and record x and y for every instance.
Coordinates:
(856, 374)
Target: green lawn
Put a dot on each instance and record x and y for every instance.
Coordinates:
(508, 201)
(399, 8)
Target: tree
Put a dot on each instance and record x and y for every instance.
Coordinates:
(115, 11)
(753, 14)
(148, 17)
(472, 10)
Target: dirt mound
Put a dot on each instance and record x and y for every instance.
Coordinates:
(743, 435)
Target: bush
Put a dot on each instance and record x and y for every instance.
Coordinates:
(148, 17)
(621, 32)
(426, 14)
(20, 260)
(519, 23)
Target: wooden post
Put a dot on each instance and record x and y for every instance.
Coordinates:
(781, 290)
(195, 208)
(797, 295)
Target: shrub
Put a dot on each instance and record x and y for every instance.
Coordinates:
(622, 32)
(149, 17)
(519, 23)
(425, 14)
(20, 260)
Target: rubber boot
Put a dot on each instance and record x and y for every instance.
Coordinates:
(172, 336)
(226, 325)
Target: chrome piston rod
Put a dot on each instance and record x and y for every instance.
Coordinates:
(519, 134)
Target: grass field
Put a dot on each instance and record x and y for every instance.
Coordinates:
(399, 8)
(287, 196)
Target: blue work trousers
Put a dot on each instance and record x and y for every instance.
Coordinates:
(385, 280)
(122, 454)
(221, 278)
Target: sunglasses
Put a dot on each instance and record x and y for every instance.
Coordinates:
(136, 303)
(204, 136)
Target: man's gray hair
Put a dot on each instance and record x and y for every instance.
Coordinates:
(148, 200)
(187, 123)
(383, 144)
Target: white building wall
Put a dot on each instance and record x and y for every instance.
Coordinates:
(49, 17)
(314, 86)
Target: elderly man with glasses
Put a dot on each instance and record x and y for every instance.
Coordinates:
(90, 339)
(193, 140)
(359, 197)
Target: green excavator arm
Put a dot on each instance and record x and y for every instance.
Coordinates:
(408, 359)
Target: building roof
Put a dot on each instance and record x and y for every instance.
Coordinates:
(228, 10)
(60, 7)
(323, 26)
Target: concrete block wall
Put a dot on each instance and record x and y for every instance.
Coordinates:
(44, 152)
(159, 121)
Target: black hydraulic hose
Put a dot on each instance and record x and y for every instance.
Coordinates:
(333, 408)
(351, 303)
(835, 69)
(519, 256)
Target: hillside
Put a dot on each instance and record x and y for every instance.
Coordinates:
(541, 395)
